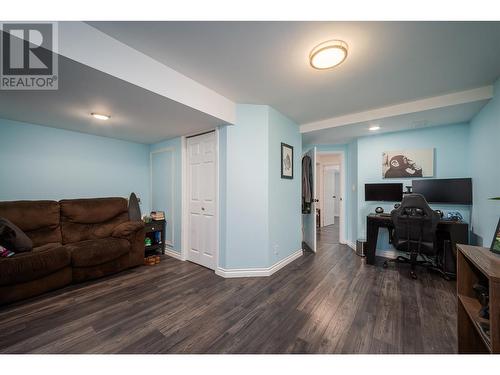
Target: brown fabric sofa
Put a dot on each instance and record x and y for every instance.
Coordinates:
(74, 240)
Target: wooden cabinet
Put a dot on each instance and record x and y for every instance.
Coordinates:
(477, 265)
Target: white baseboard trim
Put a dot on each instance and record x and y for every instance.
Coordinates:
(258, 272)
(352, 245)
(173, 254)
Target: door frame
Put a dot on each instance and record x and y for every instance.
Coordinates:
(185, 203)
(170, 244)
(343, 191)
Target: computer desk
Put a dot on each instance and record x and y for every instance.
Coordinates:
(455, 231)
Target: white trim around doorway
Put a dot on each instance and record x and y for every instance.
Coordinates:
(343, 191)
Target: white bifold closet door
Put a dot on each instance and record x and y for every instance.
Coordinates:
(202, 175)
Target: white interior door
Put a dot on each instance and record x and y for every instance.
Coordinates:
(336, 204)
(202, 220)
(309, 220)
(329, 196)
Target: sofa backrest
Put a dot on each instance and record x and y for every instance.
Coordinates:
(90, 219)
(40, 220)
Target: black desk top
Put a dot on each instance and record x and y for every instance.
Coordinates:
(387, 218)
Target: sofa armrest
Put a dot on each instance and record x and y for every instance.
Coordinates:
(127, 229)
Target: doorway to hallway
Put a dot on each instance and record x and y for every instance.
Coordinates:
(329, 182)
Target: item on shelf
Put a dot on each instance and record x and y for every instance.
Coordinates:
(147, 241)
(152, 260)
(158, 237)
(379, 210)
(134, 211)
(158, 215)
(146, 219)
(495, 244)
(454, 216)
(483, 298)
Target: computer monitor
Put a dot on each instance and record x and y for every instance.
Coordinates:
(384, 192)
(449, 190)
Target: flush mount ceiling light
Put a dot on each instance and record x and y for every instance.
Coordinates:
(328, 54)
(100, 116)
(374, 128)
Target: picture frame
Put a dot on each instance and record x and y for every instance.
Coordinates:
(495, 243)
(286, 161)
(410, 163)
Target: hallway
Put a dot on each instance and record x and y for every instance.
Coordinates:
(329, 234)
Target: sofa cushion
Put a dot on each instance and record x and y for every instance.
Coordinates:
(127, 229)
(40, 220)
(91, 219)
(13, 238)
(25, 267)
(94, 252)
(47, 246)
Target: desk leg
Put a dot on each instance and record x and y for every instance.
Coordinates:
(371, 242)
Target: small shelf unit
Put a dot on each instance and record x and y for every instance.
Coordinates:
(476, 334)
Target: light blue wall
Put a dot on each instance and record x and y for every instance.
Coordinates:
(165, 181)
(39, 162)
(352, 193)
(247, 185)
(485, 169)
(451, 144)
(285, 236)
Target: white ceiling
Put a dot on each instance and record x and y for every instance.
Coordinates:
(267, 62)
(136, 114)
(440, 116)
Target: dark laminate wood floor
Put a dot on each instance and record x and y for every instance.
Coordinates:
(330, 302)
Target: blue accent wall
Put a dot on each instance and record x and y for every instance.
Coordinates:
(260, 211)
(452, 160)
(351, 190)
(247, 183)
(285, 236)
(40, 162)
(485, 169)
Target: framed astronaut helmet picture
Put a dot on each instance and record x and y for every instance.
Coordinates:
(408, 163)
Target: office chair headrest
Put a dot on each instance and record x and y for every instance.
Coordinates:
(414, 205)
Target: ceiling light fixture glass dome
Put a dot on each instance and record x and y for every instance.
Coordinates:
(328, 54)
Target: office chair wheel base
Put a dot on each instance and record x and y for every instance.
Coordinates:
(413, 275)
(385, 265)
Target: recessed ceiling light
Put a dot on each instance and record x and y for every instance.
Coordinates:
(328, 54)
(100, 116)
(374, 128)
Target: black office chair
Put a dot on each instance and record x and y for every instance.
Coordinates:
(415, 231)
